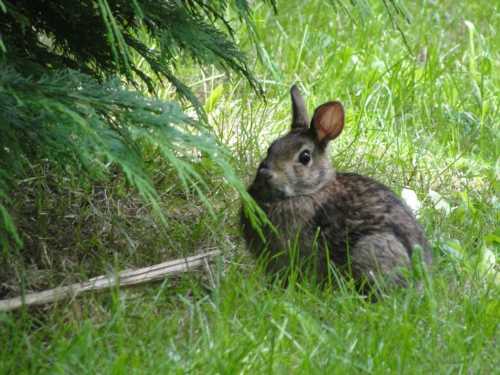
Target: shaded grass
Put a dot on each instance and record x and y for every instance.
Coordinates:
(424, 118)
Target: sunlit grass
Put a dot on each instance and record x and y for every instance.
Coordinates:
(423, 117)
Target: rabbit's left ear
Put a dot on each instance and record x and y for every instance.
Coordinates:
(299, 111)
(328, 121)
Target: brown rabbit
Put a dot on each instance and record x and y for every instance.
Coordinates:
(351, 220)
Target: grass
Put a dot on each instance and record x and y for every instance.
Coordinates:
(244, 326)
(424, 117)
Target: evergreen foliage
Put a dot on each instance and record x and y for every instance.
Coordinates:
(72, 83)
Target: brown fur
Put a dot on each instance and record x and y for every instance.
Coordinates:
(351, 220)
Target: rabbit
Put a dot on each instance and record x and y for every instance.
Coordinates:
(347, 219)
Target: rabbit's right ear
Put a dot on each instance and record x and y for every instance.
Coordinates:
(328, 122)
(300, 120)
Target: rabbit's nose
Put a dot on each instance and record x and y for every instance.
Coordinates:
(264, 170)
(264, 165)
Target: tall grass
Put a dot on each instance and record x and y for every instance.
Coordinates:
(421, 116)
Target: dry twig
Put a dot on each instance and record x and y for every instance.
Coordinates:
(125, 278)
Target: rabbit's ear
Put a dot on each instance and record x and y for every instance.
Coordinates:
(328, 121)
(299, 110)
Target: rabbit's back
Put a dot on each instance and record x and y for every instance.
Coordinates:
(357, 206)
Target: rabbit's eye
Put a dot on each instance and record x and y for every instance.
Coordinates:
(305, 157)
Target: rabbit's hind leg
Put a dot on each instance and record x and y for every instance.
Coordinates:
(378, 259)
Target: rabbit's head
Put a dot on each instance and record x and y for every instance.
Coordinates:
(297, 163)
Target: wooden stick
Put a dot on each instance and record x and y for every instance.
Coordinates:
(125, 278)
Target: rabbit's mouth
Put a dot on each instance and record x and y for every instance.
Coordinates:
(276, 195)
(273, 195)
(265, 190)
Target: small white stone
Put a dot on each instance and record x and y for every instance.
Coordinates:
(439, 202)
(411, 199)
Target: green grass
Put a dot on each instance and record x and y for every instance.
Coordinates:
(244, 326)
(424, 118)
